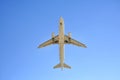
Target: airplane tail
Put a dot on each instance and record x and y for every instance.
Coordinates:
(62, 66)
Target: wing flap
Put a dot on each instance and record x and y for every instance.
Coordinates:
(69, 40)
(45, 43)
(49, 42)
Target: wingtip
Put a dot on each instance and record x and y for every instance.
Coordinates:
(85, 46)
(39, 47)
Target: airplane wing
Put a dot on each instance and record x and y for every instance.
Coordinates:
(69, 40)
(54, 40)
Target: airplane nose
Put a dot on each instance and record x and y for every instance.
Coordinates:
(61, 19)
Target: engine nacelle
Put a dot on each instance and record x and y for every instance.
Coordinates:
(53, 35)
(69, 34)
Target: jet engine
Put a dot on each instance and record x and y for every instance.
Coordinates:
(69, 35)
(53, 35)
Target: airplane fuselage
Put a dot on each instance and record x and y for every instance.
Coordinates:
(61, 42)
(61, 39)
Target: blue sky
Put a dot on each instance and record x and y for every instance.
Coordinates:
(24, 24)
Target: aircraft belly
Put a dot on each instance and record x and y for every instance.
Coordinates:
(61, 39)
(61, 53)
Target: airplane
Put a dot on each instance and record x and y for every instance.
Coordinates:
(61, 39)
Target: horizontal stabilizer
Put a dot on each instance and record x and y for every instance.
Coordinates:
(62, 66)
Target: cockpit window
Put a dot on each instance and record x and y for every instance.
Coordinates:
(60, 23)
